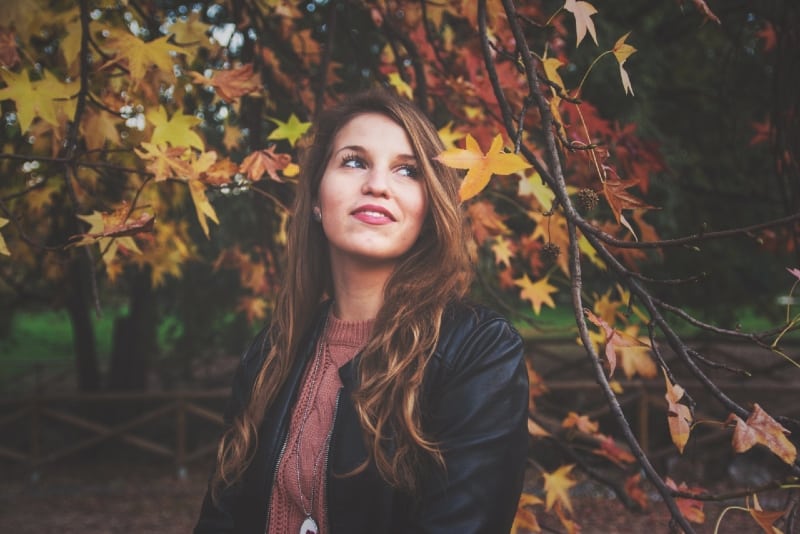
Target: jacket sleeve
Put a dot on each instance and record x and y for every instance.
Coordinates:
(478, 415)
(218, 517)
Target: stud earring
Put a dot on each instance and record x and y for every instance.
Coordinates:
(316, 214)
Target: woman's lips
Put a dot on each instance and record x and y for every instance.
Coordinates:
(373, 214)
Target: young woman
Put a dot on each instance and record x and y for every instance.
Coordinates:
(378, 401)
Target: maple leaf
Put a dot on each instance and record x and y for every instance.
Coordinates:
(292, 130)
(537, 293)
(761, 428)
(9, 57)
(254, 308)
(502, 251)
(164, 162)
(557, 485)
(691, 509)
(485, 221)
(190, 31)
(634, 490)
(449, 136)
(112, 230)
(401, 86)
(580, 422)
(679, 416)
(619, 199)
(622, 51)
(765, 519)
(3, 247)
(46, 98)
(635, 359)
(481, 166)
(609, 448)
(231, 84)
(140, 56)
(615, 340)
(232, 137)
(202, 206)
(525, 520)
(265, 161)
(98, 127)
(533, 185)
(175, 130)
(583, 12)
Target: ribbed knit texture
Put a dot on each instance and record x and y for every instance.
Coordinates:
(343, 339)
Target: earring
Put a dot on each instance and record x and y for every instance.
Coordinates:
(316, 214)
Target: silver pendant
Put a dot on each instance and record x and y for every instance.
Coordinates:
(309, 526)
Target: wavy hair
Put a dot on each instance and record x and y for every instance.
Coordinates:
(436, 270)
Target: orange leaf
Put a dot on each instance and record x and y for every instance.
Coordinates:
(765, 519)
(9, 57)
(763, 429)
(619, 199)
(485, 221)
(525, 520)
(536, 430)
(615, 340)
(679, 416)
(634, 490)
(692, 509)
(231, 84)
(164, 162)
(557, 485)
(265, 161)
(581, 422)
(611, 450)
(481, 166)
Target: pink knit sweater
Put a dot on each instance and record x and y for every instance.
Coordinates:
(307, 444)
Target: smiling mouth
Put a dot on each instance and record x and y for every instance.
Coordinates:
(373, 213)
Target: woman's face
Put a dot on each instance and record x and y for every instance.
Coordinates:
(373, 202)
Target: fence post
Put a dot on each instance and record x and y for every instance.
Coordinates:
(644, 420)
(180, 438)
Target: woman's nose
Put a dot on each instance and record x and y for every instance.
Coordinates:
(376, 183)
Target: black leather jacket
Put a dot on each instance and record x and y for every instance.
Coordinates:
(475, 398)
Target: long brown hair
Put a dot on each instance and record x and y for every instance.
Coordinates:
(435, 271)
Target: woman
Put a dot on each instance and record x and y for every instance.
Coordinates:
(377, 401)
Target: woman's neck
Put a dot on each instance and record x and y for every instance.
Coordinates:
(358, 294)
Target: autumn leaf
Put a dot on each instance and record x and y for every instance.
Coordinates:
(583, 12)
(3, 246)
(525, 520)
(765, 519)
(111, 230)
(537, 293)
(231, 84)
(481, 166)
(622, 51)
(202, 206)
(485, 221)
(191, 31)
(163, 161)
(691, 509)
(291, 130)
(636, 359)
(140, 56)
(254, 308)
(534, 186)
(47, 98)
(761, 428)
(634, 490)
(175, 130)
(609, 448)
(614, 339)
(400, 85)
(619, 199)
(557, 485)
(263, 162)
(536, 430)
(679, 416)
(580, 422)
(502, 251)
(9, 57)
(449, 136)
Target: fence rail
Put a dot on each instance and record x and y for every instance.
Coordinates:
(27, 437)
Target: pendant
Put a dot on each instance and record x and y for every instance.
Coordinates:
(309, 526)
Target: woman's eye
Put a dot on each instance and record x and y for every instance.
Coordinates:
(408, 170)
(353, 162)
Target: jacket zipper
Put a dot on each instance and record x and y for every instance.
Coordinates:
(327, 455)
(275, 478)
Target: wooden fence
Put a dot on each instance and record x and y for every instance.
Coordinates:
(170, 425)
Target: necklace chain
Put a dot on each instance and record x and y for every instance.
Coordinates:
(322, 351)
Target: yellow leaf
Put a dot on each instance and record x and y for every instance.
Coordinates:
(537, 293)
(3, 246)
(232, 137)
(191, 31)
(502, 251)
(533, 185)
(202, 206)
(176, 131)
(583, 12)
(481, 166)
(525, 520)
(449, 136)
(292, 130)
(551, 66)
(46, 98)
(140, 56)
(622, 51)
(557, 485)
(590, 252)
(403, 89)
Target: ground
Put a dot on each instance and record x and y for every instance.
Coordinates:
(100, 496)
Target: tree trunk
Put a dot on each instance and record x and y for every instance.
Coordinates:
(78, 307)
(134, 343)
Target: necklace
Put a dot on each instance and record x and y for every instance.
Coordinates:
(310, 525)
